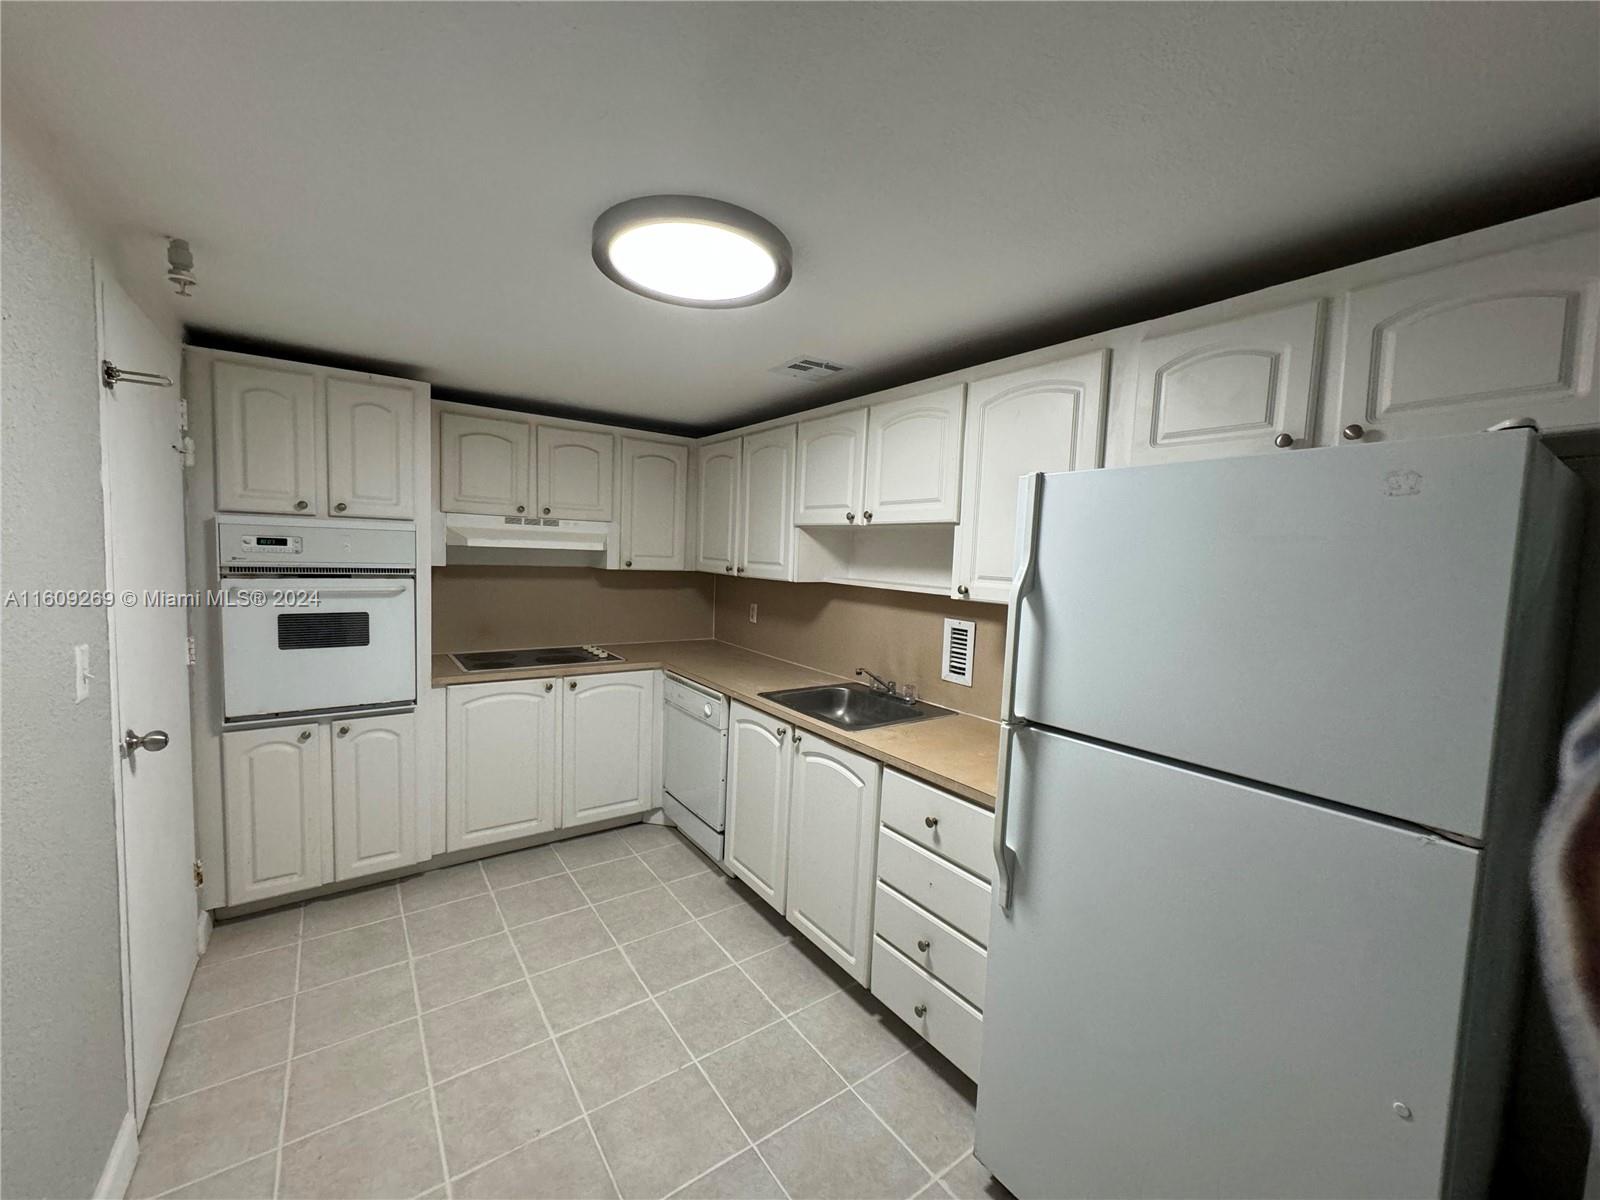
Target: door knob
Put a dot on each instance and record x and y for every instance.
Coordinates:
(340, 507)
(1283, 441)
(1353, 433)
(923, 944)
(797, 737)
(156, 739)
(921, 1010)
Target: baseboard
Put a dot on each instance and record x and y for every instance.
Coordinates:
(202, 931)
(118, 1174)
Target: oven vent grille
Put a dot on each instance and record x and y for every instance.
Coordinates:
(323, 631)
(267, 571)
(957, 658)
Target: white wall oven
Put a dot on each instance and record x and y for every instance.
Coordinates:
(316, 618)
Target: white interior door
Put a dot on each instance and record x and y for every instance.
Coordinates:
(143, 475)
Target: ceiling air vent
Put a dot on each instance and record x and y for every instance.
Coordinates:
(957, 664)
(813, 369)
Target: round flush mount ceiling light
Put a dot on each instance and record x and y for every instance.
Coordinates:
(692, 250)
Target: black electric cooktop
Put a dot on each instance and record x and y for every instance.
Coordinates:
(539, 656)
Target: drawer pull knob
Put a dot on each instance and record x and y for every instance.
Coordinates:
(931, 822)
(923, 944)
(548, 686)
(921, 1010)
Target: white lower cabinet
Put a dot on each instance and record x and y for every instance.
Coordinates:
(374, 795)
(276, 803)
(608, 757)
(833, 823)
(501, 770)
(319, 802)
(757, 840)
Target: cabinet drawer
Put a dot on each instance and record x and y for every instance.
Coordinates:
(949, 1025)
(955, 961)
(948, 892)
(961, 832)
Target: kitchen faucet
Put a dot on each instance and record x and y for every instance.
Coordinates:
(889, 688)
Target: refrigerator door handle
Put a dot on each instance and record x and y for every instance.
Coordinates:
(1004, 859)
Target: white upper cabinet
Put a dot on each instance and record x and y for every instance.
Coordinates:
(266, 439)
(830, 465)
(717, 516)
(655, 496)
(833, 839)
(914, 460)
(574, 476)
(276, 813)
(370, 466)
(1237, 387)
(767, 492)
(483, 464)
(608, 752)
(374, 795)
(501, 761)
(757, 846)
(1045, 418)
(1457, 349)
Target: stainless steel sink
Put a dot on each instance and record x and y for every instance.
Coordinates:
(854, 706)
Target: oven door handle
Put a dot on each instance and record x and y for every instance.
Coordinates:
(312, 585)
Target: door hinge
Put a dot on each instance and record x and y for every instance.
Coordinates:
(185, 449)
(183, 414)
(199, 873)
(189, 654)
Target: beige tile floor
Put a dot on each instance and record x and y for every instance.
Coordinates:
(605, 1016)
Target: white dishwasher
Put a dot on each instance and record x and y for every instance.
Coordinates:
(694, 737)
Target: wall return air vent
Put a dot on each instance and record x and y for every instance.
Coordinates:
(813, 369)
(956, 660)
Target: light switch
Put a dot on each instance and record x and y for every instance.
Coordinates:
(81, 675)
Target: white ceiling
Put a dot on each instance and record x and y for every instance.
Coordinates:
(415, 184)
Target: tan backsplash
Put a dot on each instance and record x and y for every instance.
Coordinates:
(497, 608)
(836, 629)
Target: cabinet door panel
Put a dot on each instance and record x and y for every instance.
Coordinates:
(276, 802)
(608, 752)
(483, 464)
(830, 461)
(914, 459)
(369, 449)
(1044, 419)
(266, 439)
(833, 824)
(500, 761)
(575, 473)
(655, 491)
(1458, 349)
(717, 517)
(1229, 388)
(768, 504)
(757, 845)
(374, 795)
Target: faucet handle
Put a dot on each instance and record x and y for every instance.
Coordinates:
(908, 692)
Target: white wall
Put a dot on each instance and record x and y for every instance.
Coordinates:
(63, 1091)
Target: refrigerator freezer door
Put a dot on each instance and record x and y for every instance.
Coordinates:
(1331, 622)
(1205, 989)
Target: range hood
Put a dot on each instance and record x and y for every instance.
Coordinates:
(464, 538)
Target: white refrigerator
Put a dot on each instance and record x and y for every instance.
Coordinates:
(1278, 730)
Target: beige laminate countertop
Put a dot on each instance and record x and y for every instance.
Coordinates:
(958, 753)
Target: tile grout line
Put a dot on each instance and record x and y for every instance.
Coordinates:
(422, 1038)
(288, 1065)
(555, 1042)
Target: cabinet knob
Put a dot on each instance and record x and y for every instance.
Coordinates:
(797, 737)
(963, 590)
(1283, 441)
(782, 729)
(931, 822)
(522, 508)
(627, 562)
(850, 516)
(549, 687)
(741, 570)
(301, 506)
(867, 516)
(545, 511)
(921, 1010)
(340, 507)
(305, 735)
(923, 944)
(1353, 433)
(728, 568)
(572, 685)
(344, 730)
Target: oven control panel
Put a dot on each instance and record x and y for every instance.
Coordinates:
(255, 543)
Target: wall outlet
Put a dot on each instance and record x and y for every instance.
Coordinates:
(752, 614)
(80, 673)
